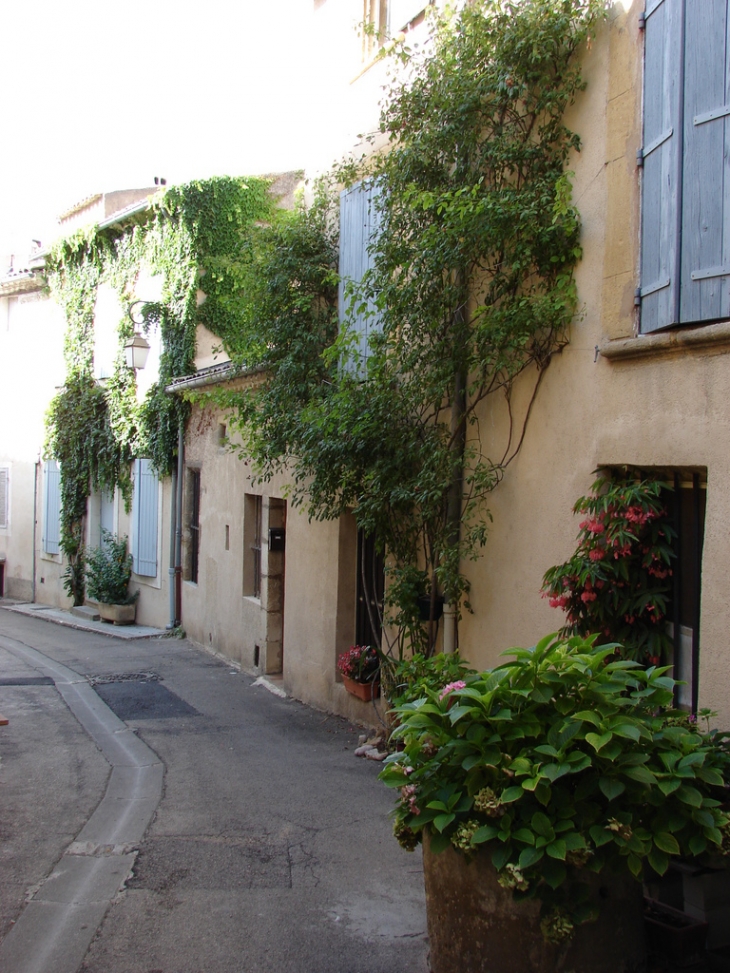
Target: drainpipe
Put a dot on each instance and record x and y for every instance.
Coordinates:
(178, 522)
(171, 570)
(36, 469)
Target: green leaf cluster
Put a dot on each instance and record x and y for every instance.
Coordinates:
(471, 286)
(564, 759)
(191, 235)
(109, 571)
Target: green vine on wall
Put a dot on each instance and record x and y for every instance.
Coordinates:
(192, 236)
(471, 291)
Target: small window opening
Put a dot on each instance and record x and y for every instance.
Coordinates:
(252, 532)
(194, 524)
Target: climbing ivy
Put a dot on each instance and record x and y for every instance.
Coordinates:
(471, 288)
(192, 235)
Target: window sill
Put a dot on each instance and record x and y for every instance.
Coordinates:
(715, 336)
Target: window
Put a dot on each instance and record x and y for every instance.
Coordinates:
(194, 525)
(686, 504)
(4, 497)
(370, 591)
(144, 519)
(359, 221)
(107, 314)
(386, 18)
(252, 533)
(375, 16)
(402, 12)
(685, 235)
(51, 539)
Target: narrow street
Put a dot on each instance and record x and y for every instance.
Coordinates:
(162, 814)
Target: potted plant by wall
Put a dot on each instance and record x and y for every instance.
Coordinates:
(108, 573)
(541, 791)
(360, 669)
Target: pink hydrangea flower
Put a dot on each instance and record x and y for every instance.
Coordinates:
(450, 687)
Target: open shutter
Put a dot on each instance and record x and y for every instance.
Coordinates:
(402, 12)
(4, 496)
(51, 508)
(661, 155)
(705, 267)
(359, 220)
(144, 519)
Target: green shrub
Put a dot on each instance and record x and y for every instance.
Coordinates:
(561, 760)
(109, 570)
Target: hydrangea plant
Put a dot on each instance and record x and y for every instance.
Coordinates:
(564, 759)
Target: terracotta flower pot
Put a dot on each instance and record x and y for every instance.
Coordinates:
(363, 690)
(476, 926)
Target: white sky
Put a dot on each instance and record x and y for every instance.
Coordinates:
(106, 94)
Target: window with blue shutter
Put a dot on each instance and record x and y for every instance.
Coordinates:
(144, 519)
(685, 237)
(359, 221)
(51, 538)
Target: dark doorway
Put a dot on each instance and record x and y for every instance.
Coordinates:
(686, 505)
(370, 591)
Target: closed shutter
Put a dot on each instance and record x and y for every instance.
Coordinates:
(144, 519)
(705, 265)
(51, 508)
(661, 183)
(359, 221)
(4, 496)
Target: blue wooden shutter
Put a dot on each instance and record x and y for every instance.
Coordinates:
(359, 221)
(144, 519)
(51, 508)
(705, 263)
(662, 161)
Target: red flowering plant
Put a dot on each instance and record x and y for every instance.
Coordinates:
(360, 663)
(618, 582)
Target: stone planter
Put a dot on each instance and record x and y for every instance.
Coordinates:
(674, 935)
(475, 925)
(118, 614)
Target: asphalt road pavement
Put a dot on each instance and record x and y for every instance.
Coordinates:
(162, 814)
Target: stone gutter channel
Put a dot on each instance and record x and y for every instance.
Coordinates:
(57, 925)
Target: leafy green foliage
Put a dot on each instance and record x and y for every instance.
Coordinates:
(91, 458)
(409, 679)
(93, 430)
(109, 571)
(618, 581)
(471, 288)
(563, 759)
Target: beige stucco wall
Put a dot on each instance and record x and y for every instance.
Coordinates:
(305, 614)
(31, 367)
(668, 410)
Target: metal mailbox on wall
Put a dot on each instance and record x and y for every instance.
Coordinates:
(277, 539)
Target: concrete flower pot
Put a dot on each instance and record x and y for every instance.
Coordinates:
(118, 614)
(476, 926)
